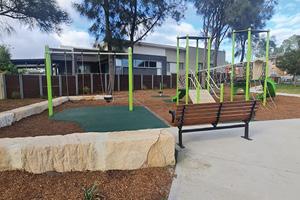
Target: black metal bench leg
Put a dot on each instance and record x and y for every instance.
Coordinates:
(180, 138)
(246, 134)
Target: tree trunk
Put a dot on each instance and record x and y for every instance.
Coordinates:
(216, 52)
(243, 44)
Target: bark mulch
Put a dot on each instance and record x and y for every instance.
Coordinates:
(150, 183)
(9, 104)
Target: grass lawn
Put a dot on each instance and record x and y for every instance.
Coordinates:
(291, 89)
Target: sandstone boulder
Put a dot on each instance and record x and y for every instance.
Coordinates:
(6, 119)
(89, 151)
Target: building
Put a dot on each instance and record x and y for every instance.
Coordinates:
(148, 59)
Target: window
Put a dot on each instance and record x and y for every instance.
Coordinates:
(118, 62)
(147, 64)
(152, 64)
(139, 63)
(124, 62)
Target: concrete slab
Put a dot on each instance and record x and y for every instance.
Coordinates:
(221, 165)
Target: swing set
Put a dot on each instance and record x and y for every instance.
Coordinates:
(48, 65)
(269, 89)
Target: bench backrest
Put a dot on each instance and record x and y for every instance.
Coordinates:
(213, 113)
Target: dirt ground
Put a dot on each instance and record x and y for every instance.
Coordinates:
(284, 108)
(150, 183)
(9, 104)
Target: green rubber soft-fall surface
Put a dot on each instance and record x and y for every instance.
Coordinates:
(110, 118)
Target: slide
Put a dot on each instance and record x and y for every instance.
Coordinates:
(181, 94)
(271, 89)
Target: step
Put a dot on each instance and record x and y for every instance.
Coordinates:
(205, 96)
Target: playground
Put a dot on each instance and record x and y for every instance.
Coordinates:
(133, 130)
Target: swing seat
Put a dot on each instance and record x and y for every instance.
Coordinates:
(108, 98)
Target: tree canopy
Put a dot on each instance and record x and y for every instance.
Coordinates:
(291, 43)
(116, 21)
(214, 19)
(249, 14)
(290, 62)
(218, 16)
(141, 17)
(44, 14)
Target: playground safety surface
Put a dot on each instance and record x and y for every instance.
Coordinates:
(287, 108)
(111, 118)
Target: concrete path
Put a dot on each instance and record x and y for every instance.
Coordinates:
(287, 94)
(221, 165)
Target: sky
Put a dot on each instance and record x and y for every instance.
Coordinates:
(30, 43)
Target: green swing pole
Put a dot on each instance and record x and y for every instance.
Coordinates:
(208, 66)
(187, 71)
(49, 84)
(248, 65)
(266, 68)
(222, 93)
(130, 76)
(232, 67)
(177, 71)
(197, 72)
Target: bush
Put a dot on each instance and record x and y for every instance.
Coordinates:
(86, 90)
(15, 95)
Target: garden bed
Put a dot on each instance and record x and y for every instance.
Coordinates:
(150, 183)
(9, 104)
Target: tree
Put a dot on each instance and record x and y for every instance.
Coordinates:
(44, 14)
(141, 17)
(5, 63)
(106, 24)
(114, 21)
(214, 14)
(290, 62)
(249, 14)
(292, 43)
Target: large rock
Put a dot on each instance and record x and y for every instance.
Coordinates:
(26, 111)
(58, 101)
(6, 119)
(86, 98)
(89, 151)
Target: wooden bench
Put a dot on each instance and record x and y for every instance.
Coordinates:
(214, 113)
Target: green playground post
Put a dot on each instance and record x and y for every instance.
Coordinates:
(177, 71)
(130, 76)
(222, 93)
(266, 68)
(208, 66)
(49, 84)
(248, 65)
(197, 72)
(232, 67)
(187, 71)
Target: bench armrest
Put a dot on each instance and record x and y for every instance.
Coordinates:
(173, 113)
